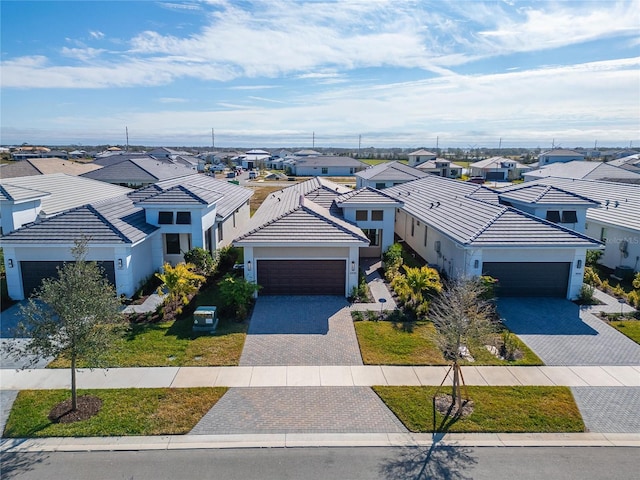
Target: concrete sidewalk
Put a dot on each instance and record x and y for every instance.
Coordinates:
(322, 375)
(292, 440)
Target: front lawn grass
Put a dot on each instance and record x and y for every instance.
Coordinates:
(171, 344)
(390, 343)
(496, 409)
(142, 411)
(631, 328)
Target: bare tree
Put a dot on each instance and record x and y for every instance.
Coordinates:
(72, 315)
(462, 316)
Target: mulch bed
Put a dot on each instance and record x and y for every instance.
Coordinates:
(88, 406)
(445, 405)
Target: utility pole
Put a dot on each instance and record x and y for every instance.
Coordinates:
(313, 140)
(126, 131)
(213, 139)
(359, 144)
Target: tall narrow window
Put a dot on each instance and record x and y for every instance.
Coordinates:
(219, 232)
(603, 235)
(173, 243)
(413, 226)
(425, 235)
(373, 236)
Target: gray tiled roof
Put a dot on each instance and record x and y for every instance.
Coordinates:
(111, 221)
(495, 162)
(16, 193)
(67, 191)
(366, 195)
(210, 189)
(329, 161)
(139, 170)
(391, 171)
(291, 216)
(619, 202)
(182, 195)
(472, 216)
(22, 168)
(583, 170)
(545, 194)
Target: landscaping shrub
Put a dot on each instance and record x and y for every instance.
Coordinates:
(227, 258)
(392, 259)
(591, 277)
(586, 294)
(236, 295)
(357, 316)
(202, 260)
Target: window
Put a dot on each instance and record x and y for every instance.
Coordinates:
(377, 215)
(234, 219)
(165, 218)
(325, 170)
(373, 236)
(380, 185)
(219, 232)
(173, 243)
(425, 235)
(569, 216)
(183, 218)
(362, 215)
(352, 171)
(603, 235)
(413, 226)
(553, 216)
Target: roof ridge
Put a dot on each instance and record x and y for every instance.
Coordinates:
(482, 229)
(109, 224)
(330, 218)
(545, 190)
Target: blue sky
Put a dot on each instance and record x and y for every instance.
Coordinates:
(272, 73)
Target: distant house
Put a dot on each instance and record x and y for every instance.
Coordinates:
(497, 169)
(45, 166)
(559, 155)
(421, 156)
(139, 172)
(584, 170)
(631, 162)
(307, 153)
(387, 174)
(326, 166)
(441, 167)
(131, 233)
(254, 158)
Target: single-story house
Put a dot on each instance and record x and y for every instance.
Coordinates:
(387, 174)
(421, 156)
(559, 155)
(326, 165)
(463, 230)
(130, 233)
(441, 167)
(497, 169)
(254, 159)
(308, 238)
(138, 172)
(583, 170)
(615, 221)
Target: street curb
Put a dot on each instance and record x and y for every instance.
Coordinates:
(300, 440)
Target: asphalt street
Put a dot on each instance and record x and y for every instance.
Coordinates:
(440, 462)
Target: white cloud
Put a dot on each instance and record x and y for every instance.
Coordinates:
(172, 100)
(96, 34)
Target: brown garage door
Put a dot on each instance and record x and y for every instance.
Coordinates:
(301, 277)
(34, 272)
(529, 279)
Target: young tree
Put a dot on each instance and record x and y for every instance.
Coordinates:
(72, 315)
(462, 316)
(180, 282)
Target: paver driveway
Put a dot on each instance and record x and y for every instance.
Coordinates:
(561, 333)
(301, 330)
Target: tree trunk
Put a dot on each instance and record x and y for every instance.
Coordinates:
(74, 394)
(457, 395)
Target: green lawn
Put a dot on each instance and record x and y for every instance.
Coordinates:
(631, 328)
(170, 344)
(148, 411)
(496, 409)
(389, 343)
